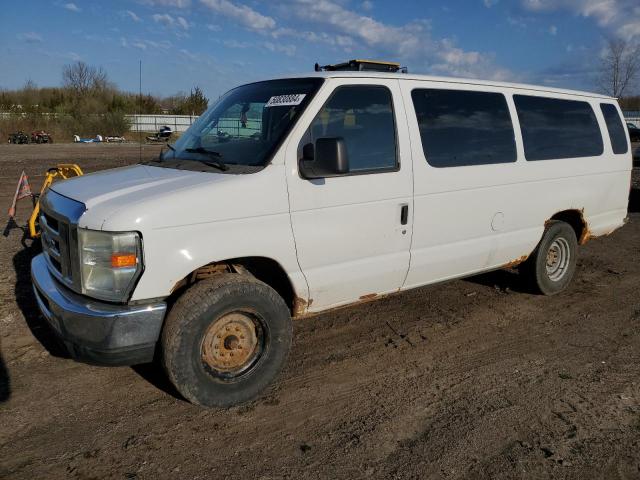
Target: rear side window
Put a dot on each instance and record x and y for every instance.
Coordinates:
(459, 127)
(363, 117)
(553, 128)
(617, 135)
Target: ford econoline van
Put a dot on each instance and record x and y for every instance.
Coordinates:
(293, 196)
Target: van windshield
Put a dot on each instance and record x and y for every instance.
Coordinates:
(242, 130)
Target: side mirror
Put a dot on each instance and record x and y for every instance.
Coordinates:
(328, 158)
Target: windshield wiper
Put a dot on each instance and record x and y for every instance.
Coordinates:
(216, 164)
(161, 155)
(219, 165)
(204, 150)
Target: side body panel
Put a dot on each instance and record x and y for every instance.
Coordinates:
(471, 219)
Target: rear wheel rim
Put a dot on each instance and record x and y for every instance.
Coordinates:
(558, 258)
(232, 345)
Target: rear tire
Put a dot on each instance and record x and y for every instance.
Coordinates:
(225, 340)
(550, 268)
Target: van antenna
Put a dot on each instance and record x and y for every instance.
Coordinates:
(139, 110)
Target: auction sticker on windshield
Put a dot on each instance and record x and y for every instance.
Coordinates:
(285, 100)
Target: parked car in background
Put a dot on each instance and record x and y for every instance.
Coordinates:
(634, 132)
(360, 184)
(19, 138)
(40, 136)
(162, 135)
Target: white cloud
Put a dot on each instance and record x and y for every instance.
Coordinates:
(213, 28)
(132, 16)
(619, 16)
(168, 3)
(169, 21)
(30, 37)
(411, 43)
(242, 14)
(553, 30)
(231, 43)
(490, 3)
(144, 44)
(188, 54)
(165, 19)
(71, 7)
(182, 23)
(289, 50)
(367, 5)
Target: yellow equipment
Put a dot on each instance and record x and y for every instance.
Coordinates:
(60, 171)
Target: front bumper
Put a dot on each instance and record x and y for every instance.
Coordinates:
(93, 331)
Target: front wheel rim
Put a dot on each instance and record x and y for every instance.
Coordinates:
(558, 258)
(232, 345)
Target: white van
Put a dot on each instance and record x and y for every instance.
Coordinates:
(293, 196)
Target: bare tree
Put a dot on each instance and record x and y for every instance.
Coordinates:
(620, 67)
(83, 78)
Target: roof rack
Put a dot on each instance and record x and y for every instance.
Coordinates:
(362, 66)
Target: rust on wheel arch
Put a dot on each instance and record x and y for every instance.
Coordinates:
(586, 235)
(301, 307)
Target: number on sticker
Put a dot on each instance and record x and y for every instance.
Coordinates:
(285, 100)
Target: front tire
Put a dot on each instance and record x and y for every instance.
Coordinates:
(225, 340)
(550, 268)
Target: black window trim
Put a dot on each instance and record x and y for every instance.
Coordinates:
(371, 171)
(586, 100)
(513, 125)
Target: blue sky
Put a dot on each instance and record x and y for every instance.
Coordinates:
(218, 44)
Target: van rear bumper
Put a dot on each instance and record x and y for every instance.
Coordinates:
(97, 332)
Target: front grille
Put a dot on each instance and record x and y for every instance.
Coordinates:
(55, 245)
(59, 217)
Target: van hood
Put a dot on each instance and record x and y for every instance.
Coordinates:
(100, 187)
(142, 196)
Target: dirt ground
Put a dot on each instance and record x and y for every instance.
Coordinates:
(475, 378)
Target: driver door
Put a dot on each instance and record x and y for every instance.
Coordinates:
(353, 231)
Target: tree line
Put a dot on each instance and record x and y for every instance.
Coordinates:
(86, 88)
(87, 103)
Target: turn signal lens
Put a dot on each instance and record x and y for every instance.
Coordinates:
(123, 260)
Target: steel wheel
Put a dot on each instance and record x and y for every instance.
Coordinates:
(558, 258)
(232, 345)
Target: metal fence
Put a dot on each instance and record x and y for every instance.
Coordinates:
(153, 123)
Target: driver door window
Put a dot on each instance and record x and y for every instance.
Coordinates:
(363, 116)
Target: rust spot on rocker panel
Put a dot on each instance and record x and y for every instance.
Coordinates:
(369, 296)
(516, 262)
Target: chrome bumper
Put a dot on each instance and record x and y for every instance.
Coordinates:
(94, 331)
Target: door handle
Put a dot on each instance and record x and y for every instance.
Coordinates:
(404, 214)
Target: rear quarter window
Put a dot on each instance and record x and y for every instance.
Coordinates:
(555, 128)
(462, 128)
(616, 129)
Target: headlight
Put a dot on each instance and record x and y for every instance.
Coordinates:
(110, 263)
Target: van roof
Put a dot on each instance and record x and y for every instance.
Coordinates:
(462, 81)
